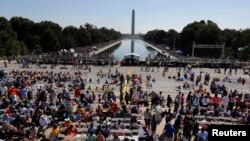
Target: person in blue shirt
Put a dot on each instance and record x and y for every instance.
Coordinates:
(92, 128)
(202, 135)
(169, 132)
(24, 93)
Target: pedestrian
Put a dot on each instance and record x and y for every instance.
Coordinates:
(169, 132)
(202, 135)
(153, 124)
(147, 118)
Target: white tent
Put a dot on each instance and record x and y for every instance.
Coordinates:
(132, 55)
(75, 55)
(178, 52)
(63, 50)
(72, 50)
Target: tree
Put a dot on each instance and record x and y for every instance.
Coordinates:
(50, 41)
(163, 37)
(231, 38)
(14, 47)
(243, 54)
(150, 35)
(71, 35)
(84, 37)
(24, 29)
(201, 33)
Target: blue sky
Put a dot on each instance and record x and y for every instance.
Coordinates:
(150, 14)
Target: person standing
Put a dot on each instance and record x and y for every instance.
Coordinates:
(147, 118)
(169, 132)
(169, 101)
(153, 124)
(225, 101)
(202, 135)
(5, 64)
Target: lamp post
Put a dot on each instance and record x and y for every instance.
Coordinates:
(174, 44)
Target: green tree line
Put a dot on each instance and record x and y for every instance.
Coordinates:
(20, 35)
(204, 32)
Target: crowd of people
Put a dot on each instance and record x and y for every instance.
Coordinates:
(34, 101)
(64, 103)
(219, 103)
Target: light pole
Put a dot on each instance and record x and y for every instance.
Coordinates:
(174, 44)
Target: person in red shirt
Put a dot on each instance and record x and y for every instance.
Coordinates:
(71, 131)
(216, 100)
(77, 93)
(182, 99)
(12, 90)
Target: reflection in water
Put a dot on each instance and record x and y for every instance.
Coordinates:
(132, 46)
(129, 46)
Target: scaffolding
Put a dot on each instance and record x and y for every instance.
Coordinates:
(208, 46)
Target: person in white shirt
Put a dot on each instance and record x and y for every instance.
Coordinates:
(3, 90)
(43, 121)
(225, 101)
(87, 95)
(204, 101)
(142, 133)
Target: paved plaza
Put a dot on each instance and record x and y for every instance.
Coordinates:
(162, 83)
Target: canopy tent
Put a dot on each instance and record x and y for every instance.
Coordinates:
(132, 55)
(63, 50)
(72, 50)
(178, 52)
(75, 55)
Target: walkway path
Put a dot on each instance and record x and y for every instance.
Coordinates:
(105, 48)
(160, 51)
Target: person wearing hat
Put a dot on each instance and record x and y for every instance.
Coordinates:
(67, 122)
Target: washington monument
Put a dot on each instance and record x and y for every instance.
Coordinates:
(133, 23)
(133, 31)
